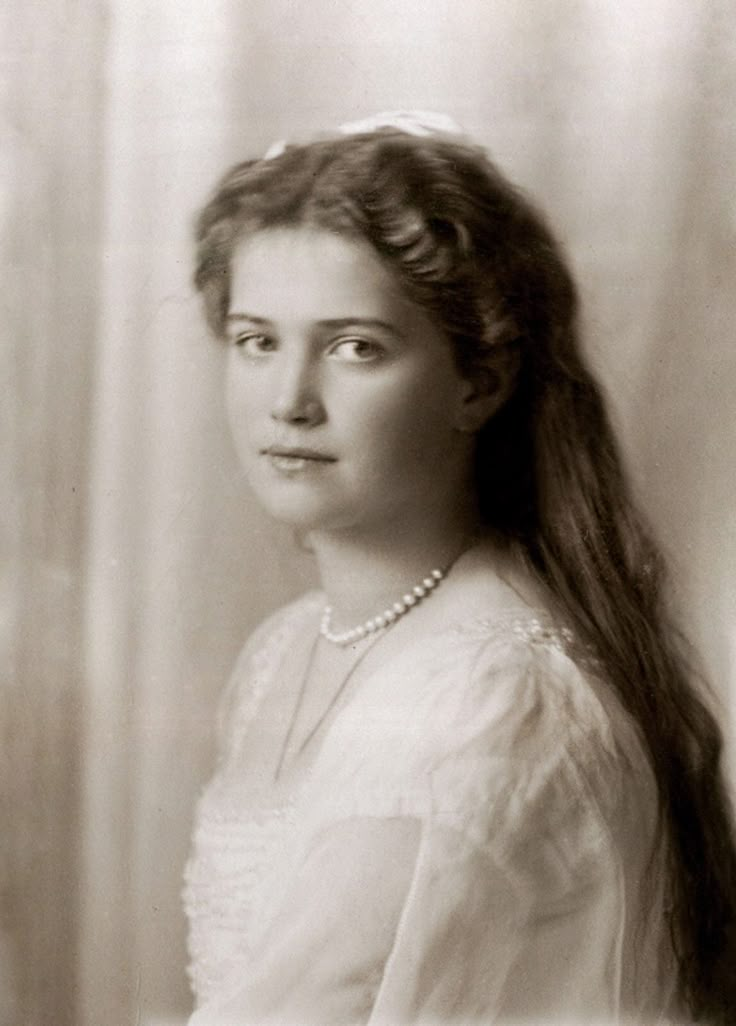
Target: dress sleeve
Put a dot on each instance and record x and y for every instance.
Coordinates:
(517, 909)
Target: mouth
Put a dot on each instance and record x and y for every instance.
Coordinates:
(293, 459)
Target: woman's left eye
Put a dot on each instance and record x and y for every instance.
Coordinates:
(356, 350)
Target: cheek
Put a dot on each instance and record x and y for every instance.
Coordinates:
(241, 400)
(406, 428)
(241, 412)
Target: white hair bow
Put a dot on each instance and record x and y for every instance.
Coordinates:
(412, 122)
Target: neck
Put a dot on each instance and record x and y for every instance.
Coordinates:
(364, 573)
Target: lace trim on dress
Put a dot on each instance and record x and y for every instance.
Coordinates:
(535, 628)
(222, 887)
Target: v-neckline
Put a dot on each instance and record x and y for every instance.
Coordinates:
(292, 782)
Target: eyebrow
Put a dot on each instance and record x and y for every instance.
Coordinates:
(335, 322)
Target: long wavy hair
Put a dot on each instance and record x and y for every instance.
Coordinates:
(470, 249)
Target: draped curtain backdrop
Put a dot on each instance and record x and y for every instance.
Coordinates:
(134, 560)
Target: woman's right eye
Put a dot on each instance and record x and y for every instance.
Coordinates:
(254, 343)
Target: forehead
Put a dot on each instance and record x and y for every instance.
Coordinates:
(313, 274)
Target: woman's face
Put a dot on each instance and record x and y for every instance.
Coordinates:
(343, 397)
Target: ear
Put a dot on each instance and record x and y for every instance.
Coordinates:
(487, 387)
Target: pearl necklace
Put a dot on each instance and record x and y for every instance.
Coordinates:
(384, 619)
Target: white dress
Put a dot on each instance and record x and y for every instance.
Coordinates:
(474, 843)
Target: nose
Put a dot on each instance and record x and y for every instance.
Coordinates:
(296, 399)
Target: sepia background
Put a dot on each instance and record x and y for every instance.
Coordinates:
(133, 560)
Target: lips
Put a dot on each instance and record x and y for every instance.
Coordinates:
(296, 460)
(297, 453)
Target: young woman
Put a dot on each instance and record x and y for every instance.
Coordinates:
(469, 781)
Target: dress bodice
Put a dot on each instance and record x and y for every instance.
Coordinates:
(496, 732)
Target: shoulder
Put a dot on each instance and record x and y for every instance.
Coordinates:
(537, 744)
(508, 669)
(528, 685)
(513, 681)
(258, 660)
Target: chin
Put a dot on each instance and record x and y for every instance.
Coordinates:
(306, 507)
(300, 513)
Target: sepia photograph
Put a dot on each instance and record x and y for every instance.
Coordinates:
(368, 578)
